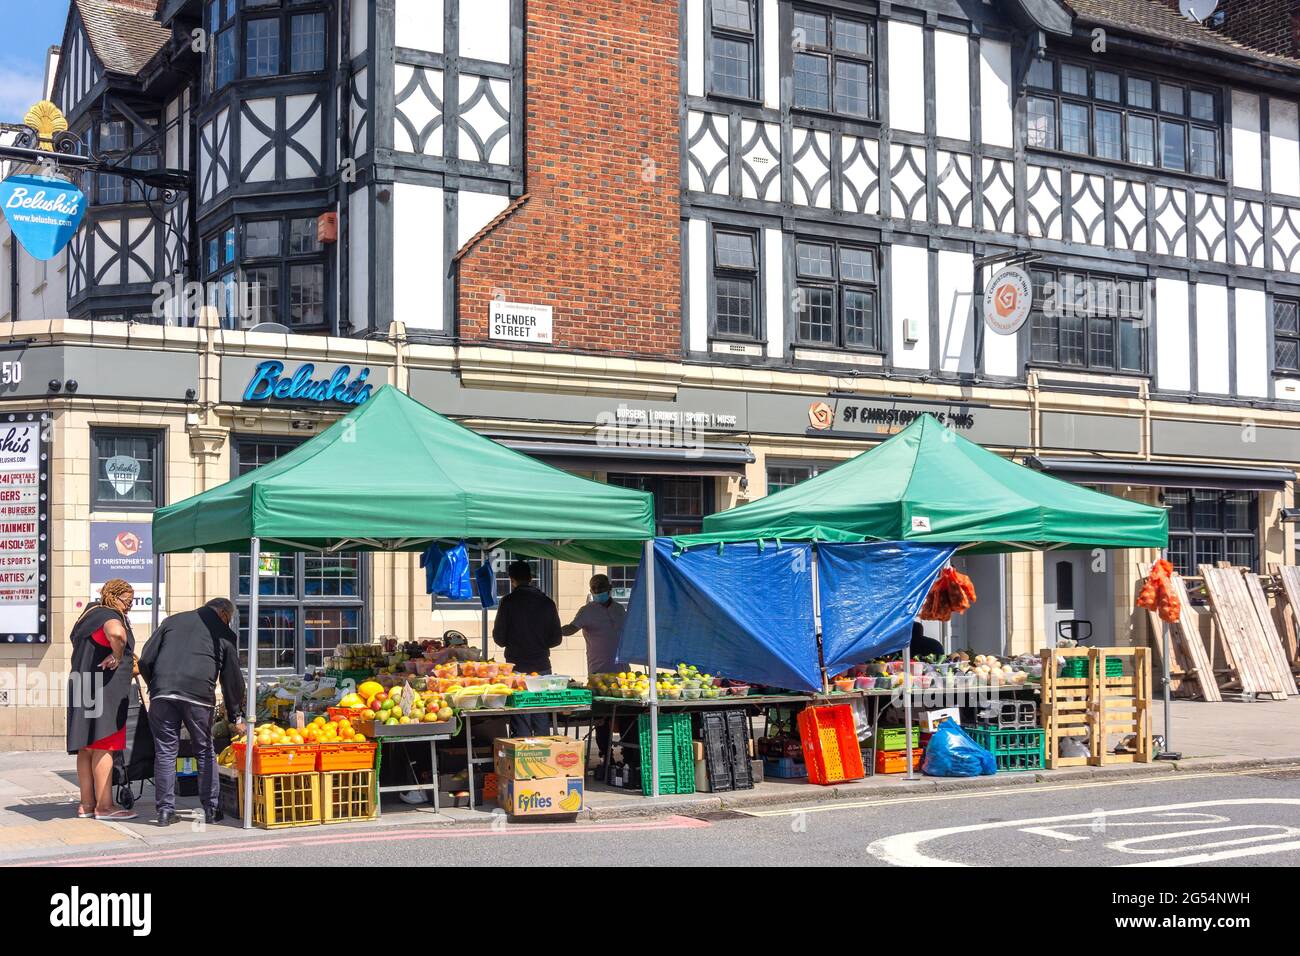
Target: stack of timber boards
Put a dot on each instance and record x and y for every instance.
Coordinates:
(1288, 576)
(1187, 640)
(1252, 642)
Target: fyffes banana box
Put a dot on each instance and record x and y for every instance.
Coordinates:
(535, 798)
(538, 758)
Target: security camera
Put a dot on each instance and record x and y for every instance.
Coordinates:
(55, 385)
(71, 386)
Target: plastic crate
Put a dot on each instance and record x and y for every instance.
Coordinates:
(1076, 667)
(551, 698)
(830, 744)
(784, 768)
(676, 754)
(895, 738)
(725, 735)
(355, 676)
(349, 756)
(279, 800)
(1011, 715)
(350, 714)
(288, 758)
(895, 761)
(348, 796)
(1014, 750)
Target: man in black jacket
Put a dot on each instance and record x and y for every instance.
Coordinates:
(527, 626)
(181, 664)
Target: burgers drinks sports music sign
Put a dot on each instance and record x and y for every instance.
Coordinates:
(1007, 300)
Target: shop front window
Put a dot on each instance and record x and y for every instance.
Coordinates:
(127, 469)
(681, 504)
(1207, 526)
(781, 476)
(308, 603)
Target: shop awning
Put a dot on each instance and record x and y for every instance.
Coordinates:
(929, 484)
(1101, 471)
(394, 475)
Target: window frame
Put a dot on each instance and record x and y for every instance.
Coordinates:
(833, 58)
(1088, 276)
(1192, 535)
(753, 42)
(667, 523)
(232, 20)
(129, 155)
(1292, 337)
(157, 478)
(299, 600)
(814, 469)
(754, 277)
(284, 263)
(1155, 114)
(838, 285)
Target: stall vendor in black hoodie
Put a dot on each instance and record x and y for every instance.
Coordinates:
(182, 663)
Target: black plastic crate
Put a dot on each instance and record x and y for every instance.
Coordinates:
(725, 735)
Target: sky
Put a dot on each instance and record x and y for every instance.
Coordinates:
(30, 28)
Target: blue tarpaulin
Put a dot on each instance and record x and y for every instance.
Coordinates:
(871, 594)
(746, 610)
(745, 613)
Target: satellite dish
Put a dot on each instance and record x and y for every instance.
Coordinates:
(1197, 10)
(273, 327)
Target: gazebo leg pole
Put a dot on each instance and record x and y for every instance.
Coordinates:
(484, 619)
(250, 703)
(907, 707)
(652, 656)
(153, 610)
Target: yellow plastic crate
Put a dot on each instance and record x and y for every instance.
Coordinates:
(293, 800)
(348, 796)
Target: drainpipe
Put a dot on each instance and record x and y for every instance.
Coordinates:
(13, 277)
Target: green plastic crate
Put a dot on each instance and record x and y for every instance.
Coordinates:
(1014, 750)
(551, 698)
(676, 753)
(355, 676)
(895, 738)
(1076, 667)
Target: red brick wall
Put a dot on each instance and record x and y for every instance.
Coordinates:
(599, 238)
(1269, 25)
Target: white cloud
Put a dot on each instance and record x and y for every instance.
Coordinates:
(20, 87)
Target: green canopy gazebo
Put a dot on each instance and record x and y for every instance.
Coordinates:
(929, 484)
(393, 475)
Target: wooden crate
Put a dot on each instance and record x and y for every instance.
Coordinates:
(1096, 706)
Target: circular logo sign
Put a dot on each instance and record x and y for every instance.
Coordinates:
(820, 416)
(127, 543)
(1007, 301)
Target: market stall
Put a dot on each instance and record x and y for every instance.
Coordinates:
(426, 480)
(927, 484)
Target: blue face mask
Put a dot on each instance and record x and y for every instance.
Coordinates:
(602, 598)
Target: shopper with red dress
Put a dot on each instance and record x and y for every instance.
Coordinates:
(99, 688)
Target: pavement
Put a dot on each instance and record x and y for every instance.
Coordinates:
(1220, 744)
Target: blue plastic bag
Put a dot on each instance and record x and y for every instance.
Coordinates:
(451, 579)
(486, 580)
(951, 753)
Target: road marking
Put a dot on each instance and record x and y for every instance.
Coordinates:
(1274, 833)
(825, 806)
(903, 849)
(1056, 833)
(1222, 855)
(439, 832)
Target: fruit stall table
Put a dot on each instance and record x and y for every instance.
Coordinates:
(468, 716)
(751, 703)
(432, 738)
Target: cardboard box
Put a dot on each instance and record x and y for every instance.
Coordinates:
(930, 720)
(536, 798)
(538, 758)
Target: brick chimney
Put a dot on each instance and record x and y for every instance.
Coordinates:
(1272, 26)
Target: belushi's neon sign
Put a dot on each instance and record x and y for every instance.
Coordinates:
(269, 383)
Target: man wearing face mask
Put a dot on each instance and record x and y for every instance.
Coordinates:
(601, 622)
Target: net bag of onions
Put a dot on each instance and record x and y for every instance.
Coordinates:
(1157, 593)
(952, 593)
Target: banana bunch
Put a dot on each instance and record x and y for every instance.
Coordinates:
(227, 757)
(573, 802)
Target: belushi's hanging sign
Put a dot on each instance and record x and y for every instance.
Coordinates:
(43, 212)
(270, 383)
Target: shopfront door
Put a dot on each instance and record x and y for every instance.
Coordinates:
(1064, 593)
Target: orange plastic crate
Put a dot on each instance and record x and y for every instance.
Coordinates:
(895, 761)
(350, 714)
(830, 744)
(285, 759)
(349, 756)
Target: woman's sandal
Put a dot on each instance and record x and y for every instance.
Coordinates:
(118, 814)
(84, 814)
